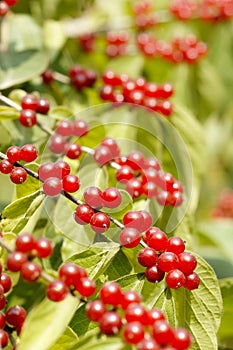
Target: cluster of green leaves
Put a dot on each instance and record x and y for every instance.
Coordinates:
(192, 145)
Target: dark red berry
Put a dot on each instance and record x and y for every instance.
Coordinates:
(156, 239)
(57, 290)
(130, 237)
(18, 176)
(167, 261)
(6, 282)
(136, 313)
(83, 214)
(61, 169)
(70, 274)
(181, 339)
(110, 323)
(64, 128)
(13, 154)
(31, 271)
(134, 219)
(129, 297)
(70, 183)
(29, 101)
(73, 150)
(175, 279)
(192, 281)
(147, 257)
(29, 153)
(86, 287)
(2, 320)
(25, 242)
(52, 186)
(48, 76)
(95, 310)
(57, 144)
(111, 197)
(134, 187)
(43, 247)
(154, 315)
(6, 167)
(3, 338)
(100, 222)
(28, 118)
(110, 293)
(162, 332)
(43, 105)
(15, 260)
(46, 170)
(124, 174)
(175, 245)
(133, 333)
(154, 274)
(93, 196)
(187, 263)
(16, 316)
(3, 302)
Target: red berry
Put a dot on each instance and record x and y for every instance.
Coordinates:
(16, 316)
(95, 310)
(13, 154)
(148, 344)
(102, 155)
(129, 297)
(61, 169)
(4, 8)
(152, 162)
(134, 219)
(112, 145)
(100, 222)
(124, 174)
(133, 333)
(147, 257)
(2, 320)
(86, 287)
(93, 196)
(192, 281)
(80, 128)
(136, 160)
(28, 118)
(175, 279)
(29, 101)
(64, 128)
(56, 290)
(73, 150)
(136, 313)
(25, 242)
(3, 338)
(29, 153)
(175, 245)
(107, 93)
(15, 260)
(154, 274)
(111, 197)
(18, 176)
(52, 186)
(83, 214)
(57, 144)
(70, 274)
(167, 261)
(70, 183)
(130, 237)
(30, 271)
(48, 76)
(162, 332)
(3, 302)
(6, 167)
(156, 239)
(46, 170)
(6, 282)
(134, 187)
(110, 293)
(43, 105)
(43, 247)
(187, 263)
(110, 323)
(155, 315)
(181, 339)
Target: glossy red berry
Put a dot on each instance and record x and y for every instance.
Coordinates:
(86, 287)
(147, 257)
(154, 315)
(167, 261)
(6, 282)
(28, 118)
(6, 167)
(187, 263)
(29, 101)
(70, 183)
(136, 313)
(43, 247)
(13, 154)
(29, 153)
(129, 297)
(25, 242)
(70, 273)
(112, 145)
(80, 128)
(136, 160)
(192, 281)
(110, 323)
(134, 219)
(100, 222)
(130, 237)
(124, 174)
(156, 239)
(64, 128)
(95, 310)
(148, 344)
(57, 290)
(52, 186)
(162, 332)
(4, 8)
(133, 333)
(175, 245)
(57, 144)
(47, 76)
(15, 260)
(61, 169)
(73, 150)
(181, 339)
(30, 271)
(102, 155)
(3, 302)
(46, 170)
(111, 197)
(134, 187)
(93, 196)
(110, 293)
(154, 274)
(175, 279)
(18, 176)
(16, 316)
(2, 320)
(43, 105)
(83, 214)
(3, 338)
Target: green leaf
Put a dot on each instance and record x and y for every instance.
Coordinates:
(22, 58)
(31, 185)
(92, 343)
(7, 113)
(60, 113)
(225, 335)
(46, 323)
(16, 215)
(65, 341)
(199, 310)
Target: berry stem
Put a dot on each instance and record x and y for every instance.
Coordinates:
(61, 78)
(9, 102)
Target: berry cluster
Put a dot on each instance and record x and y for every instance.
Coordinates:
(116, 311)
(30, 106)
(144, 16)
(5, 6)
(117, 43)
(163, 255)
(65, 129)
(207, 10)
(87, 42)
(81, 78)
(27, 153)
(179, 50)
(56, 177)
(120, 88)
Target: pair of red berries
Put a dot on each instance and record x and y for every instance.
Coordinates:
(27, 153)
(5, 6)
(30, 106)
(56, 177)
(14, 318)
(81, 78)
(117, 311)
